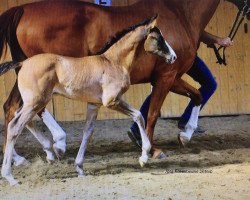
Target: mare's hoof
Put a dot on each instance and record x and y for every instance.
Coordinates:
(158, 154)
(182, 140)
(59, 152)
(142, 163)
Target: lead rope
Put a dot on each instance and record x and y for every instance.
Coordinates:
(237, 22)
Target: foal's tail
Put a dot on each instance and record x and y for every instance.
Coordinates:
(4, 67)
(9, 21)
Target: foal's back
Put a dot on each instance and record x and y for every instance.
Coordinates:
(78, 78)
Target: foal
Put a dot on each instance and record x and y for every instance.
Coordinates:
(99, 80)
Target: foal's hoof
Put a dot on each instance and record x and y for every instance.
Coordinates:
(182, 140)
(12, 181)
(80, 172)
(15, 183)
(81, 175)
(21, 161)
(59, 152)
(50, 161)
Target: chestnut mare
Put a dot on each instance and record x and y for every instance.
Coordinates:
(99, 80)
(78, 29)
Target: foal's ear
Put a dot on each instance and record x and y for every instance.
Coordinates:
(152, 22)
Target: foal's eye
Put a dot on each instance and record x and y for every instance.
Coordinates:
(154, 38)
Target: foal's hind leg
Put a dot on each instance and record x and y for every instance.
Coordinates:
(44, 141)
(15, 128)
(88, 130)
(126, 109)
(13, 103)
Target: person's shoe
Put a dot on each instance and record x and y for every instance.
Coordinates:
(181, 126)
(137, 141)
(199, 130)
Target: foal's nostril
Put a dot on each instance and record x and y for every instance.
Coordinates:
(173, 58)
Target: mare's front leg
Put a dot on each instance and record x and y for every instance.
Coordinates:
(159, 92)
(183, 88)
(92, 111)
(123, 107)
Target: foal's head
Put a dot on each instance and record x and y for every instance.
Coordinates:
(128, 39)
(156, 44)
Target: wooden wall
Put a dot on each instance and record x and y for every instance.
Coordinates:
(232, 96)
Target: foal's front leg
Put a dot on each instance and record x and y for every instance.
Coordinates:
(92, 111)
(126, 109)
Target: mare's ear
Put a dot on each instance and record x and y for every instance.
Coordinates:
(152, 22)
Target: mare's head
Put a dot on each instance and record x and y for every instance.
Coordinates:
(241, 4)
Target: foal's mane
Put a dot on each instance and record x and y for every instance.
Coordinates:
(120, 34)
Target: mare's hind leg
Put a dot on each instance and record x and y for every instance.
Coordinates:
(185, 89)
(59, 136)
(13, 103)
(92, 112)
(123, 107)
(15, 128)
(185, 136)
(44, 141)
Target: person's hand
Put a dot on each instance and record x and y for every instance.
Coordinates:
(225, 42)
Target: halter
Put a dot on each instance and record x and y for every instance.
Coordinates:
(237, 22)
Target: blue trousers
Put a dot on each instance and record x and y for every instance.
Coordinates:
(201, 74)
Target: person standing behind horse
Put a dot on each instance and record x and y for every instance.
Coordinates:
(201, 74)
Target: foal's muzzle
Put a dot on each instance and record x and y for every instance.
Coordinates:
(171, 59)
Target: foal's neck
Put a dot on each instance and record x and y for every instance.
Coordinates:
(122, 53)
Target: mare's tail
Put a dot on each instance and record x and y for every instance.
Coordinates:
(9, 21)
(4, 67)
